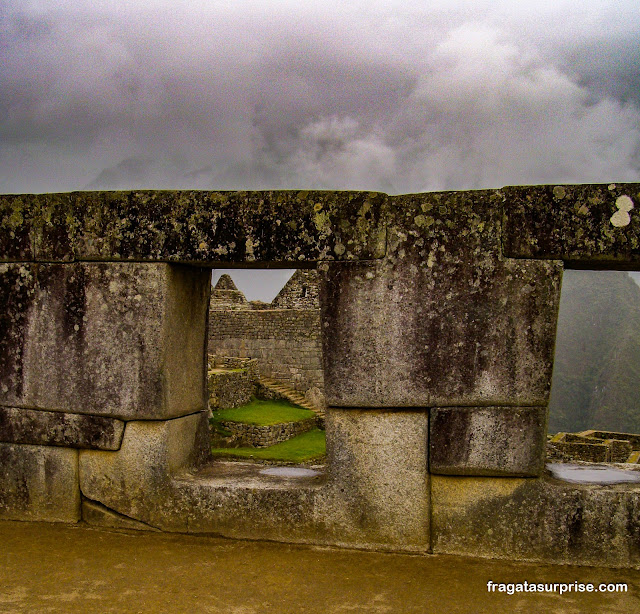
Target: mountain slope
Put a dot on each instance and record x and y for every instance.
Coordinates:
(596, 378)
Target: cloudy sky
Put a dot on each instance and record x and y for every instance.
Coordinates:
(380, 95)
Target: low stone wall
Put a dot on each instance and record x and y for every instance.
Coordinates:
(286, 343)
(257, 436)
(229, 388)
(592, 446)
(573, 451)
(231, 381)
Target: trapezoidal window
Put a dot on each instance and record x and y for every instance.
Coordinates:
(594, 411)
(265, 377)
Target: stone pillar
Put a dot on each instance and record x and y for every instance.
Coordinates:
(378, 488)
(445, 322)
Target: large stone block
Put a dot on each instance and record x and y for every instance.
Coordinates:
(54, 428)
(452, 332)
(443, 319)
(593, 225)
(378, 490)
(193, 226)
(39, 483)
(536, 519)
(121, 340)
(136, 480)
(487, 440)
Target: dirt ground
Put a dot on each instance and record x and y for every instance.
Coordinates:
(67, 569)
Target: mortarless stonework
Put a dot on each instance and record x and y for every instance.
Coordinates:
(271, 227)
(39, 483)
(300, 292)
(431, 304)
(487, 440)
(261, 436)
(285, 342)
(589, 225)
(55, 428)
(443, 320)
(108, 339)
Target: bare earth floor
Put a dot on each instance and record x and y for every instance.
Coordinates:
(60, 568)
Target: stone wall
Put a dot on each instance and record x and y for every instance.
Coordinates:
(230, 388)
(286, 342)
(594, 447)
(300, 292)
(231, 381)
(438, 318)
(261, 436)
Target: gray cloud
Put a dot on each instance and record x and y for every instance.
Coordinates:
(378, 95)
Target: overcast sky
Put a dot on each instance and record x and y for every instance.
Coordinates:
(380, 95)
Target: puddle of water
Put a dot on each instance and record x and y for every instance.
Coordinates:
(290, 472)
(594, 474)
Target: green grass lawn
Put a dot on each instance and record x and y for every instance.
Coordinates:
(306, 447)
(263, 413)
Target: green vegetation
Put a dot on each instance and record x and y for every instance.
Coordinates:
(306, 447)
(263, 413)
(596, 378)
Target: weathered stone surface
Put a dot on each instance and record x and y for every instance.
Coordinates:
(442, 320)
(300, 292)
(194, 226)
(100, 516)
(121, 340)
(377, 496)
(496, 441)
(378, 482)
(536, 519)
(49, 428)
(590, 225)
(39, 483)
(230, 388)
(135, 481)
(15, 233)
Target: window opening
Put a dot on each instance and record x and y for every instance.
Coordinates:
(594, 410)
(265, 378)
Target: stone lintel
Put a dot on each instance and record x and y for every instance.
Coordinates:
(277, 227)
(589, 226)
(54, 428)
(491, 441)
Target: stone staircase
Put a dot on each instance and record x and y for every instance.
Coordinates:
(285, 392)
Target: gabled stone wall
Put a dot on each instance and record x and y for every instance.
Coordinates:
(300, 292)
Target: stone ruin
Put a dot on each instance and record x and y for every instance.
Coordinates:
(283, 336)
(593, 446)
(437, 320)
(302, 291)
